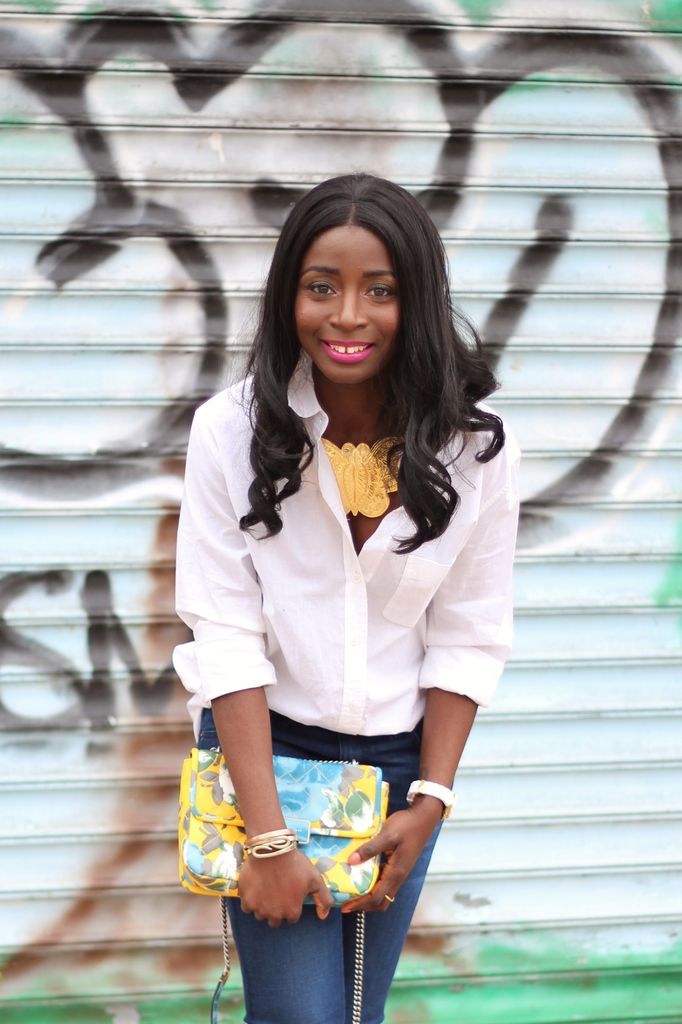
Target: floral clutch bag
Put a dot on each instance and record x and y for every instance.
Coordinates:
(332, 806)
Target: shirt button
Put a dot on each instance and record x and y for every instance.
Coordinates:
(357, 576)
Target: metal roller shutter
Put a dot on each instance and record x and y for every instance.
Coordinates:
(147, 157)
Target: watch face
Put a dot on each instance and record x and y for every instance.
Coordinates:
(442, 793)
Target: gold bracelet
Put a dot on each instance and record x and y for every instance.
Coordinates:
(263, 837)
(271, 844)
(274, 849)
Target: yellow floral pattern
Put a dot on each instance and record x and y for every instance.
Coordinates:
(333, 807)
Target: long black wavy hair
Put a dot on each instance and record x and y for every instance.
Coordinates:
(436, 375)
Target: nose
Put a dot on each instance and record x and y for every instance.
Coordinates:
(348, 313)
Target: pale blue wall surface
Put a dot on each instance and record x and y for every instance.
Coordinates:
(145, 167)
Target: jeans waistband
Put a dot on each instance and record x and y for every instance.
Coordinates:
(397, 754)
(317, 742)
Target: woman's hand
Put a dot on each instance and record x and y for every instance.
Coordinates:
(273, 888)
(401, 840)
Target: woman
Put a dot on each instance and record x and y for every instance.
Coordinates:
(342, 614)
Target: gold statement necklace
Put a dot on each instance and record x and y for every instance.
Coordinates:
(364, 477)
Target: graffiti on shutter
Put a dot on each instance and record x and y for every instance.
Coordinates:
(148, 158)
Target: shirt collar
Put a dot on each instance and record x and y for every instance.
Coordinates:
(301, 393)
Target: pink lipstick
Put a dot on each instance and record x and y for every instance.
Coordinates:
(346, 351)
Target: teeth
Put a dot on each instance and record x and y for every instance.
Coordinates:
(348, 349)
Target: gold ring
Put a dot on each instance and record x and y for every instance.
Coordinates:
(391, 899)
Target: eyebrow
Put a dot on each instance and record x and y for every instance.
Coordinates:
(335, 270)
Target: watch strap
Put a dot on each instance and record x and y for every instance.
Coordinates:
(442, 793)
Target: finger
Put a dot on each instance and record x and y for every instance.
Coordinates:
(387, 902)
(384, 905)
(391, 878)
(379, 844)
(356, 905)
(382, 901)
(374, 902)
(322, 898)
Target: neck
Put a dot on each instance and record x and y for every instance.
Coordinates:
(355, 411)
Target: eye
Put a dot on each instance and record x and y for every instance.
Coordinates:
(320, 288)
(382, 291)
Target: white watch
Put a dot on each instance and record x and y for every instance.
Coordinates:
(432, 789)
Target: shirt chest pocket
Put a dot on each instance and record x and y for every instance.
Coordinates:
(419, 582)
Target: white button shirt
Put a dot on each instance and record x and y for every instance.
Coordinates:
(345, 641)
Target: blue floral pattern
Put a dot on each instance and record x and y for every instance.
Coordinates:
(334, 807)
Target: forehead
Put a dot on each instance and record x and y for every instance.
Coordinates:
(348, 246)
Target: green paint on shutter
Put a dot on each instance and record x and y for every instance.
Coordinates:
(480, 10)
(40, 6)
(169, 1010)
(670, 591)
(71, 1014)
(544, 953)
(664, 14)
(509, 984)
(517, 983)
(617, 1000)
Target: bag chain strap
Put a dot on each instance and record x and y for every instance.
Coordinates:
(227, 965)
(359, 966)
(358, 970)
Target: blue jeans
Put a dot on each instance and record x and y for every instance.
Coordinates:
(303, 973)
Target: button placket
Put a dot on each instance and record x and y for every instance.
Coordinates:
(354, 696)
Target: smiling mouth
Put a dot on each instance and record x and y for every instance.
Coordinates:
(346, 350)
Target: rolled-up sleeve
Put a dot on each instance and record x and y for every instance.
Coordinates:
(217, 590)
(469, 619)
